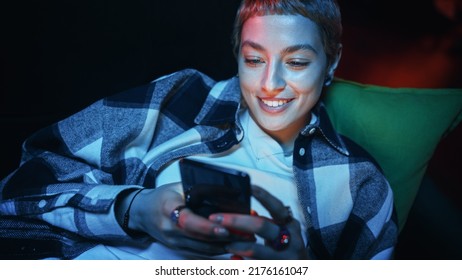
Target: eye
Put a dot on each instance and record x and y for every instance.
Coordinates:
(253, 61)
(298, 64)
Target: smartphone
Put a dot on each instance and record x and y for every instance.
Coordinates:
(211, 189)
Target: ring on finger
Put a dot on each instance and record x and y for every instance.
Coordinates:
(282, 241)
(175, 214)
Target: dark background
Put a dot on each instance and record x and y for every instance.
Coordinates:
(57, 57)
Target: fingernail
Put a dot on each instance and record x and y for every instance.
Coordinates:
(220, 231)
(216, 218)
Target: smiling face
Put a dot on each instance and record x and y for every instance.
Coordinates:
(282, 66)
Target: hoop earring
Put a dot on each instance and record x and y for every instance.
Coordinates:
(328, 80)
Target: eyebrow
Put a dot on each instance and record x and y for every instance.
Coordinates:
(290, 49)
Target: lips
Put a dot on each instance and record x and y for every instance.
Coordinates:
(274, 105)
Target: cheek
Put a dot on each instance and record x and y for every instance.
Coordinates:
(309, 95)
(309, 78)
(247, 94)
(246, 87)
(249, 82)
(307, 85)
(250, 78)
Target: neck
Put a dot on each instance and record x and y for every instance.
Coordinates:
(286, 136)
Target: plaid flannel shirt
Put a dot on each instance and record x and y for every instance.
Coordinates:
(60, 201)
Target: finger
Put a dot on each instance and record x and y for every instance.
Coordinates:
(261, 226)
(275, 235)
(280, 213)
(187, 221)
(200, 227)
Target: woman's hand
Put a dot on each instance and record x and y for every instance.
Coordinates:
(277, 232)
(151, 213)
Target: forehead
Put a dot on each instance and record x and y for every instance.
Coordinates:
(281, 30)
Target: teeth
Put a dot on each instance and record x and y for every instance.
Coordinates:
(274, 103)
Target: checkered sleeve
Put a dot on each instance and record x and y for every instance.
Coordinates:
(72, 172)
(371, 228)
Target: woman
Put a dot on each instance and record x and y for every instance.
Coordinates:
(319, 194)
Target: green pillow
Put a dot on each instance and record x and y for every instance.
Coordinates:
(399, 127)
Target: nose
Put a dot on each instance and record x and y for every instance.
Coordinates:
(273, 79)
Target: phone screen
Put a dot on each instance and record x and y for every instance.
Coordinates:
(210, 189)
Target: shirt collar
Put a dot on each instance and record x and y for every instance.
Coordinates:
(323, 127)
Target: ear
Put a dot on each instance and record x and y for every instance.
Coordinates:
(333, 66)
